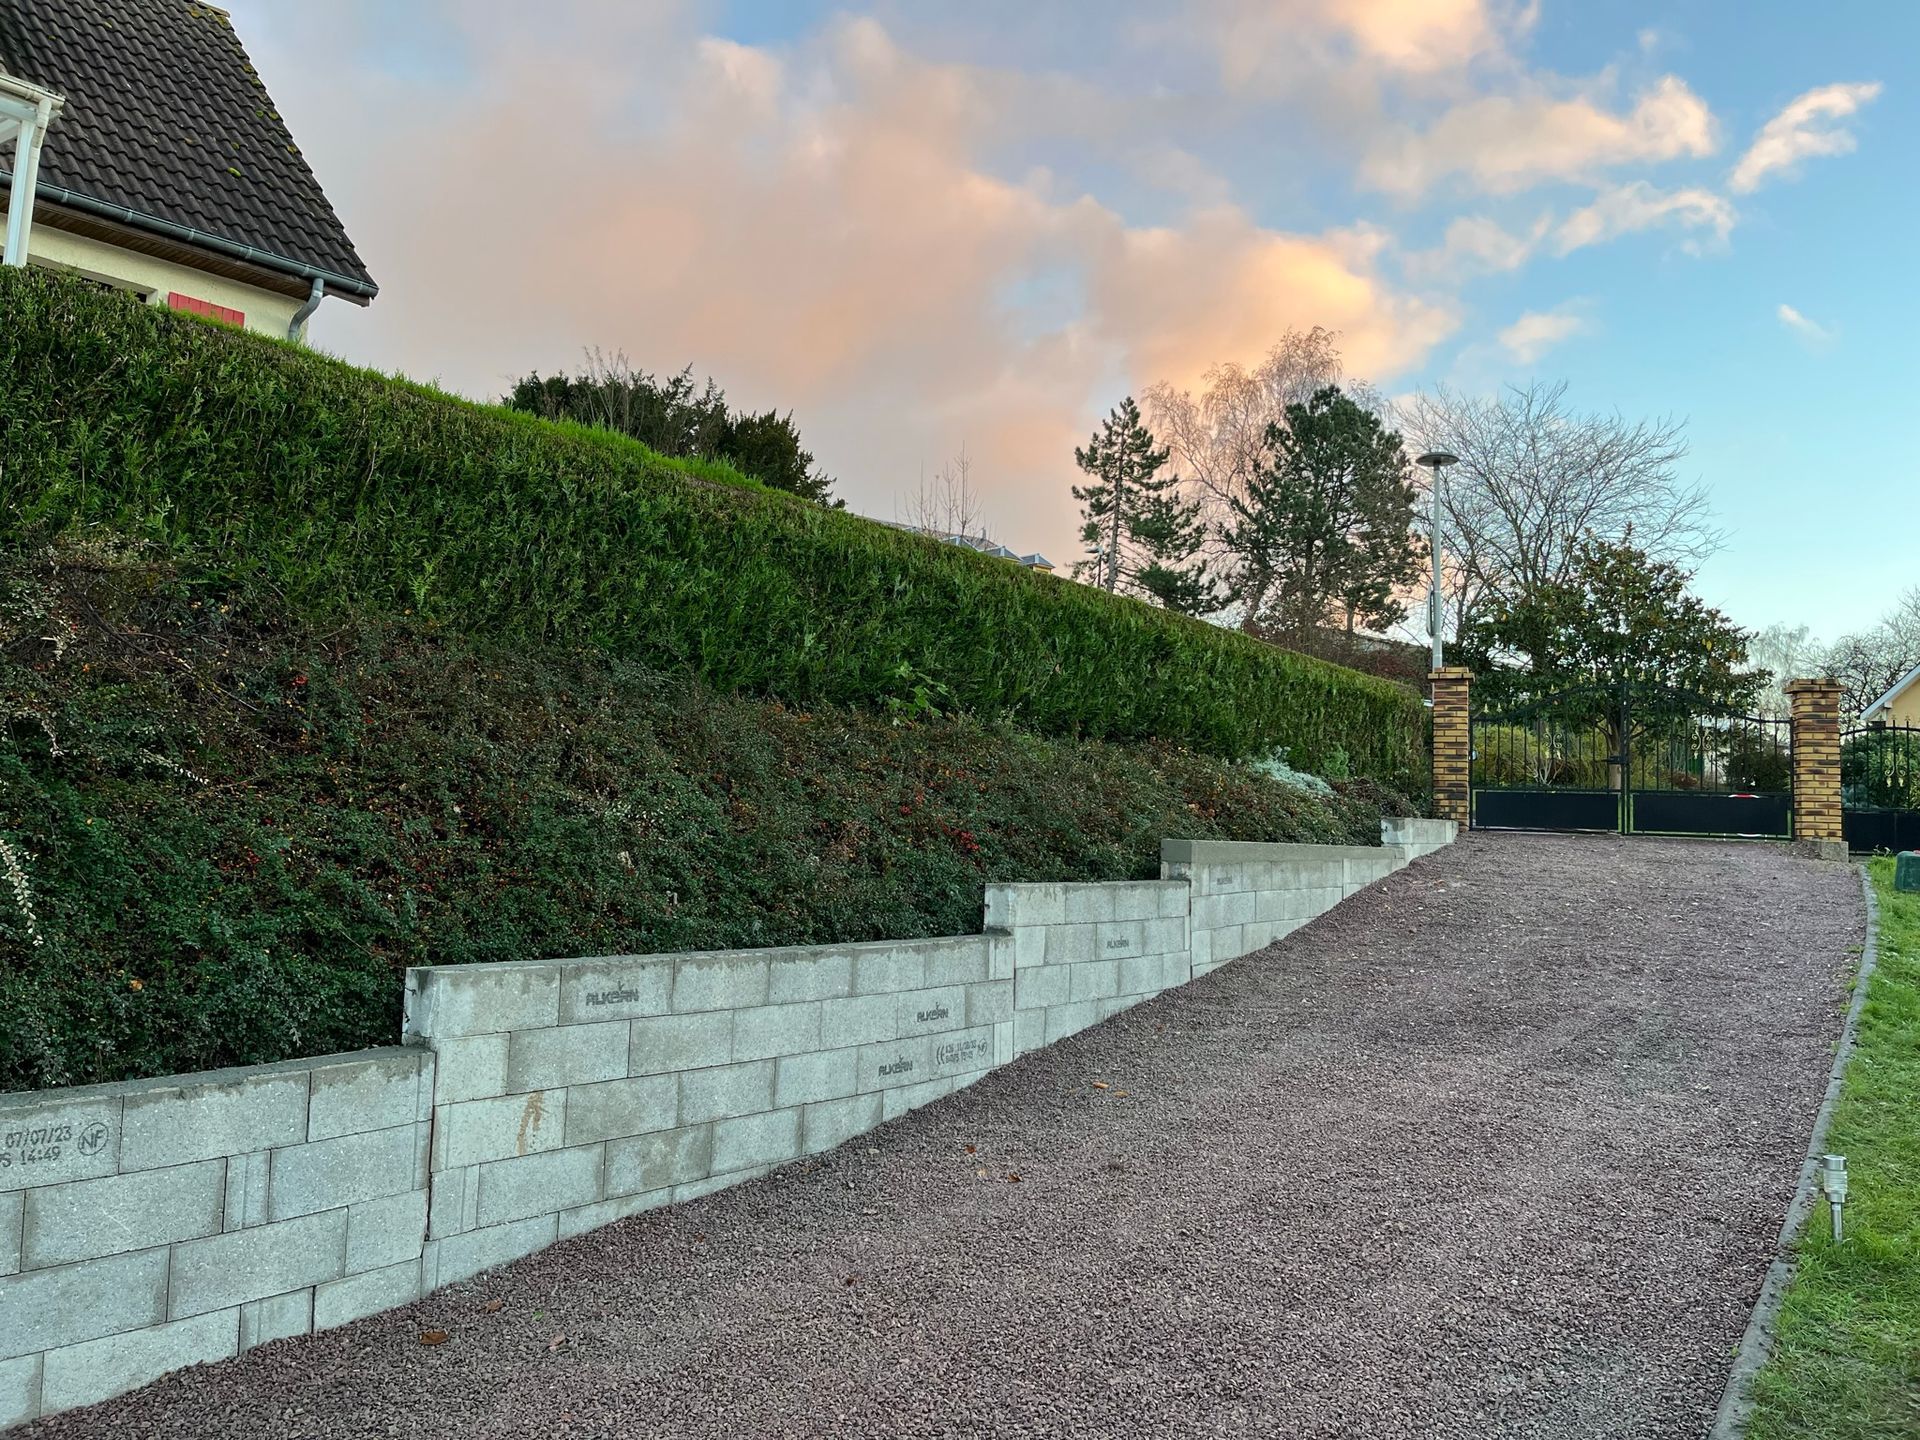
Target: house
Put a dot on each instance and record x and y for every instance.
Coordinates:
(139, 148)
(979, 543)
(1899, 706)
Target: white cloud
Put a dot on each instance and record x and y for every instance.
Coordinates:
(1640, 206)
(1802, 130)
(1477, 245)
(1538, 331)
(1806, 329)
(1503, 144)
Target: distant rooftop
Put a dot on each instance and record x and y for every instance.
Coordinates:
(979, 543)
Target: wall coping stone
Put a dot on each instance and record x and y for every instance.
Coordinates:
(205, 1079)
(1242, 852)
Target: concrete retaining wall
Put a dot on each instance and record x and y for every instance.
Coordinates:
(159, 1223)
(155, 1224)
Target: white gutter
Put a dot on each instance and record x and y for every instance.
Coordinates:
(25, 113)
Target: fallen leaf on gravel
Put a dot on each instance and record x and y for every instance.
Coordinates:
(1099, 1084)
(1120, 1094)
(492, 1307)
(851, 1279)
(970, 1150)
(1012, 1179)
(555, 1343)
(981, 1173)
(433, 1337)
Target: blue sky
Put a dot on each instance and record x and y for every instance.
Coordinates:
(922, 226)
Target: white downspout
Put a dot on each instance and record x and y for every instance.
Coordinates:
(26, 172)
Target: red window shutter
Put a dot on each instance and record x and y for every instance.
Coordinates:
(177, 301)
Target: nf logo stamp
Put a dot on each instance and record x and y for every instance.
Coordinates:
(93, 1139)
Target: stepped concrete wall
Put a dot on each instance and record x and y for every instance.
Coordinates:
(160, 1223)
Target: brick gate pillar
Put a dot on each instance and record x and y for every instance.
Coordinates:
(1816, 759)
(1452, 744)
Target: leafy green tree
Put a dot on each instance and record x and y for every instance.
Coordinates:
(676, 418)
(1618, 618)
(1140, 533)
(1324, 530)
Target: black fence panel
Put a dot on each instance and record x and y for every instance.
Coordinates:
(1880, 787)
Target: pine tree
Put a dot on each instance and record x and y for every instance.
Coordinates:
(1324, 532)
(1140, 534)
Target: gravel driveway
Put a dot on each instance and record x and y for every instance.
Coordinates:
(1498, 1148)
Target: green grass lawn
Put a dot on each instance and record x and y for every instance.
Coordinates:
(1847, 1360)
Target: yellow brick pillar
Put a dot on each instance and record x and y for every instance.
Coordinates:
(1452, 745)
(1816, 759)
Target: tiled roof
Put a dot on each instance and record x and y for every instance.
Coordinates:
(166, 117)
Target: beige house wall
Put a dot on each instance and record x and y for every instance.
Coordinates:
(265, 311)
(1904, 708)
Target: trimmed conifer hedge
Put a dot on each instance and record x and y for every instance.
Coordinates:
(346, 491)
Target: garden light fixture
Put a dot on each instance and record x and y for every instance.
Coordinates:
(1833, 1180)
(1436, 461)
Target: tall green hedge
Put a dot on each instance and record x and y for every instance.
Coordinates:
(347, 491)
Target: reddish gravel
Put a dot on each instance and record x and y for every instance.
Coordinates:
(1498, 1148)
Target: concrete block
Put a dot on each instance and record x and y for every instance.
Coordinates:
(834, 1122)
(1072, 944)
(963, 1050)
(928, 1012)
(498, 1129)
(19, 1390)
(895, 1062)
(539, 1184)
(225, 1270)
(1166, 935)
(304, 1179)
(808, 1079)
(912, 1097)
(1089, 904)
(564, 1055)
(1011, 906)
(42, 1309)
(615, 987)
(797, 975)
(48, 1137)
(956, 962)
(989, 1002)
(659, 1161)
(1138, 901)
(617, 1108)
(1095, 981)
(469, 1068)
(354, 1297)
(725, 1091)
(1001, 953)
(453, 1202)
(461, 1257)
(387, 1231)
(1029, 947)
(97, 1370)
(1229, 943)
(373, 1091)
(246, 1190)
(768, 1030)
(1029, 1030)
(694, 1189)
(446, 1001)
(1003, 1050)
(1120, 939)
(1065, 1020)
(1175, 900)
(180, 1122)
(722, 981)
(118, 1213)
(680, 1042)
(1143, 975)
(1200, 949)
(888, 969)
(278, 1317)
(12, 1210)
(1038, 988)
(769, 1138)
(583, 1218)
(860, 1020)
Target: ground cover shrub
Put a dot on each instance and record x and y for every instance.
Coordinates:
(351, 495)
(224, 832)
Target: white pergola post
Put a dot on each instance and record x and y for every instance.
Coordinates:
(25, 113)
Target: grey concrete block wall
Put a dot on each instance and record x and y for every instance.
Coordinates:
(576, 1092)
(155, 1224)
(160, 1223)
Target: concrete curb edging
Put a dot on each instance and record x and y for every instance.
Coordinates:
(1756, 1344)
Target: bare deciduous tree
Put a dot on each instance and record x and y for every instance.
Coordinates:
(1870, 663)
(946, 502)
(1534, 477)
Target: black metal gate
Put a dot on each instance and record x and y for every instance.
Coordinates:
(1880, 787)
(1634, 760)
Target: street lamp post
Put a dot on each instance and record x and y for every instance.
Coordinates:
(1436, 461)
